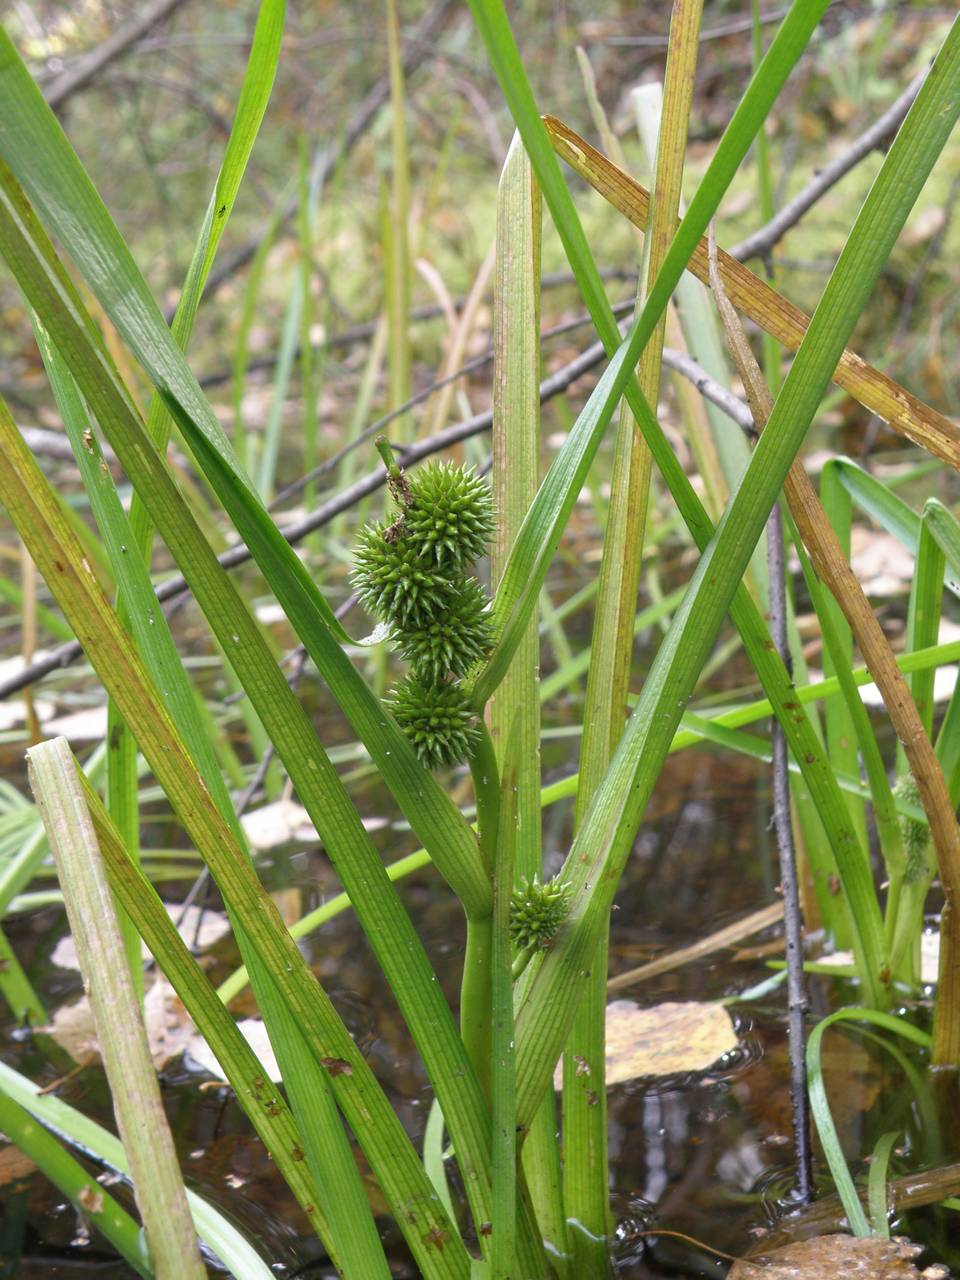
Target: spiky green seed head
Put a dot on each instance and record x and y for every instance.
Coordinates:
(914, 833)
(452, 640)
(448, 514)
(438, 720)
(394, 582)
(537, 911)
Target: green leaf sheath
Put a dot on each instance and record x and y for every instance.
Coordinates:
(600, 850)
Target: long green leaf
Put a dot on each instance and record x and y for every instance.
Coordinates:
(514, 711)
(69, 1176)
(820, 1106)
(600, 850)
(42, 160)
(154, 1165)
(212, 1226)
(351, 1232)
(273, 1122)
(24, 492)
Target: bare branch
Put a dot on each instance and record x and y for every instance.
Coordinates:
(89, 65)
(761, 242)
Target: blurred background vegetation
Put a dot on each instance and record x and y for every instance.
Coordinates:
(151, 123)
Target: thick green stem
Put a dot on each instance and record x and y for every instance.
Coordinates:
(475, 1002)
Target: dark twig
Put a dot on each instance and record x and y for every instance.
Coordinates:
(360, 332)
(761, 242)
(90, 64)
(470, 366)
(294, 532)
(792, 925)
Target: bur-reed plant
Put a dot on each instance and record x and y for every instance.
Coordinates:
(534, 969)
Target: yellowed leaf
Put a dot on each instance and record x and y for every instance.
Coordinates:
(14, 1165)
(837, 1256)
(168, 1027)
(255, 1034)
(213, 925)
(668, 1039)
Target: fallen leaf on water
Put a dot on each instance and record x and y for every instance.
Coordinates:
(14, 1165)
(213, 925)
(255, 1034)
(837, 1256)
(929, 959)
(284, 820)
(168, 1024)
(669, 1039)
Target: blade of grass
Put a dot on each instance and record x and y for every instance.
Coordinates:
(923, 615)
(600, 850)
(396, 236)
(514, 710)
(841, 738)
(374, 1122)
(722, 455)
(216, 1231)
(289, 337)
(147, 1141)
(585, 1188)
(904, 412)
(89, 1198)
(342, 1196)
(877, 1184)
(16, 988)
(820, 1106)
(502, 1047)
(907, 898)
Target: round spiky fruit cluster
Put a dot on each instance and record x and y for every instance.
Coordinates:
(449, 514)
(914, 833)
(537, 911)
(412, 575)
(452, 638)
(393, 580)
(438, 720)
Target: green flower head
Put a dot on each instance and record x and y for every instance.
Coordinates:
(537, 911)
(394, 582)
(438, 720)
(448, 516)
(451, 640)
